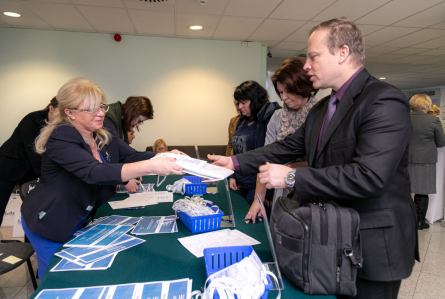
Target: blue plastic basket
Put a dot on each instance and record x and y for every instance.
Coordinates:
(200, 224)
(218, 258)
(196, 187)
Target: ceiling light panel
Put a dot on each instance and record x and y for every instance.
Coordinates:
(292, 9)
(352, 9)
(153, 22)
(387, 34)
(28, 20)
(415, 38)
(236, 27)
(106, 19)
(276, 29)
(184, 20)
(251, 8)
(100, 3)
(395, 11)
(158, 6)
(61, 16)
(301, 35)
(192, 6)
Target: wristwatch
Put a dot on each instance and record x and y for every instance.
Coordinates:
(290, 178)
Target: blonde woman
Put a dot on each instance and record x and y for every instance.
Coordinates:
(427, 136)
(160, 146)
(81, 163)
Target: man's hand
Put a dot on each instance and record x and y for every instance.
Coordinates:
(132, 185)
(233, 184)
(272, 175)
(222, 161)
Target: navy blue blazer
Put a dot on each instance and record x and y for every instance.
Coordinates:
(73, 182)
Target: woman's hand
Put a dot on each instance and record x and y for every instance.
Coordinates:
(222, 161)
(233, 184)
(254, 211)
(132, 185)
(164, 166)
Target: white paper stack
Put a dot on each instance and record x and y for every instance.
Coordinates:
(221, 238)
(142, 199)
(199, 167)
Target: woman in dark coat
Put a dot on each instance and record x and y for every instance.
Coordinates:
(121, 119)
(427, 136)
(19, 163)
(256, 110)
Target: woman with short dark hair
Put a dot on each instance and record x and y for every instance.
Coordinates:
(256, 110)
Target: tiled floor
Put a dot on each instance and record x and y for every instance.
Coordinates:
(426, 282)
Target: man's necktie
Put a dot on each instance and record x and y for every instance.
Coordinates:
(327, 118)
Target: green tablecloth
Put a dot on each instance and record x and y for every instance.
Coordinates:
(162, 257)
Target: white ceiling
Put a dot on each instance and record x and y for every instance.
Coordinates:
(405, 39)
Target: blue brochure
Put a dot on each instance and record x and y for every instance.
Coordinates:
(168, 289)
(156, 225)
(98, 236)
(97, 255)
(66, 265)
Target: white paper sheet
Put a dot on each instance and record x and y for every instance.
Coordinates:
(199, 167)
(221, 238)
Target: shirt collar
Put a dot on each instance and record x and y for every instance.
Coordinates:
(341, 91)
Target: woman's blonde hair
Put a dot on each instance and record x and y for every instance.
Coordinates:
(71, 95)
(434, 110)
(420, 102)
(158, 143)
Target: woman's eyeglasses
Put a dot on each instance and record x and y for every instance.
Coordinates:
(140, 122)
(94, 111)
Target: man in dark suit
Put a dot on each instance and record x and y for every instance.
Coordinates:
(356, 141)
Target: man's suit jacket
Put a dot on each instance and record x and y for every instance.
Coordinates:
(17, 154)
(362, 164)
(426, 138)
(73, 182)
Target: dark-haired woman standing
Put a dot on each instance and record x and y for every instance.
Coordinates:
(19, 163)
(123, 118)
(256, 110)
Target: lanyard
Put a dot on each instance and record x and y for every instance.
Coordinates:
(103, 160)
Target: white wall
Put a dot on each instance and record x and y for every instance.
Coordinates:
(189, 81)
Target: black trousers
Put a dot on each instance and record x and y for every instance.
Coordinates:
(367, 289)
(6, 188)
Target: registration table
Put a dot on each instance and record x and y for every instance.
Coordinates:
(162, 257)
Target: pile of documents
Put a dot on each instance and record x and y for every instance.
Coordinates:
(221, 238)
(96, 246)
(156, 225)
(181, 288)
(197, 167)
(141, 199)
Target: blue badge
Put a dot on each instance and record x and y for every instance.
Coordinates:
(41, 214)
(89, 208)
